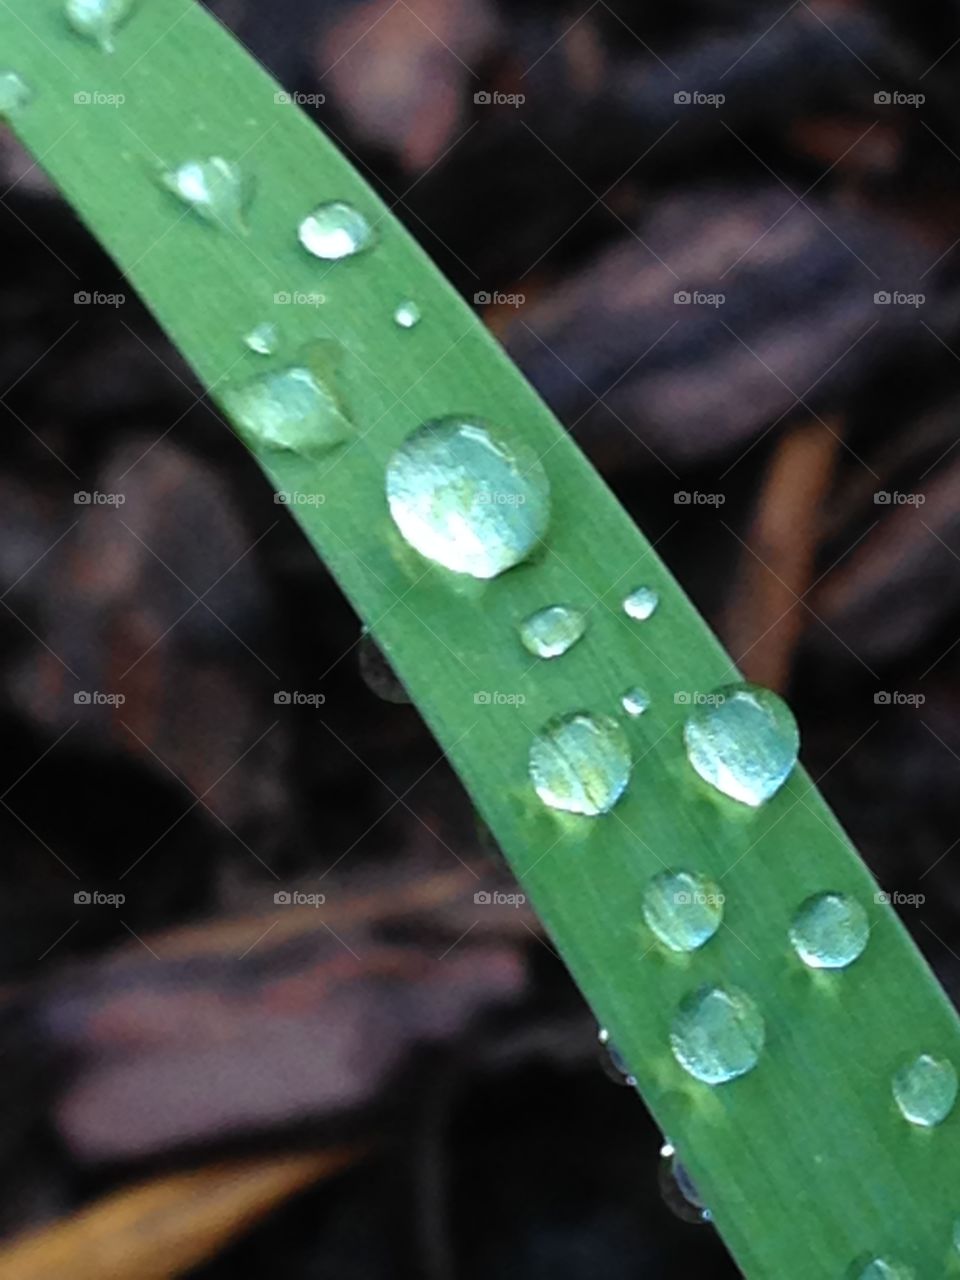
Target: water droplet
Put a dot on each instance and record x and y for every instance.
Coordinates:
(14, 92)
(743, 740)
(613, 1065)
(263, 338)
(215, 189)
(677, 1189)
(551, 632)
(635, 701)
(830, 931)
(580, 763)
(956, 1235)
(717, 1034)
(926, 1090)
(684, 909)
(407, 315)
(377, 673)
(883, 1269)
(336, 230)
(289, 410)
(465, 500)
(641, 603)
(98, 19)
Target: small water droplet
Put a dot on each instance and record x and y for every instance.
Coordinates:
(553, 631)
(743, 740)
(290, 410)
(263, 338)
(98, 19)
(465, 500)
(635, 701)
(640, 604)
(683, 908)
(830, 931)
(580, 763)
(14, 92)
(215, 189)
(717, 1034)
(377, 673)
(407, 315)
(336, 230)
(926, 1090)
(882, 1269)
(611, 1061)
(677, 1189)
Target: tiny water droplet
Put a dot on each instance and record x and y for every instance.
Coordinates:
(830, 931)
(717, 1034)
(640, 604)
(580, 763)
(336, 230)
(377, 673)
(215, 189)
(98, 20)
(407, 315)
(683, 908)
(289, 410)
(635, 701)
(263, 338)
(925, 1090)
(677, 1189)
(883, 1269)
(611, 1061)
(551, 632)
(14, 92)
(465, 500)
(743, 740)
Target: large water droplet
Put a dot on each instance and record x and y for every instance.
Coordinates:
(743, 740)
(679, 1193)
(641, 603)
(612, 1061)
(635, 701)
(377, 673)
(830, 931)
(683, 908)
(883, 1269)
(14, 92)
(98, 19)
(215, 189)
(551, 632)
(580, 763)
(466, 500)
(717, 1034)
(407, 315)
(290, 410)
(263, 338)
(336, 230)
(926, 1090)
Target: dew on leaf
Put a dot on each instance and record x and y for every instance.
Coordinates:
(925, 1090)
(98, 20)
(830, 931)
(553, 631)
(641, 603)
(683, 909)
(743, 740)
(336, 230)
(717, 1034)
(215, 189)
(580, 763)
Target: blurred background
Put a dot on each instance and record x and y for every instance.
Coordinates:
(724, 242)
